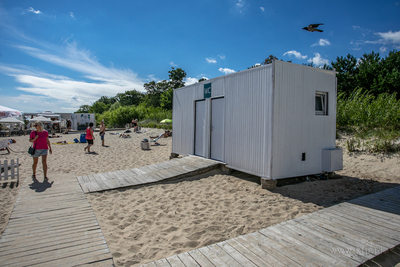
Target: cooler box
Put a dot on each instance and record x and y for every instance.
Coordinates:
(83, 138)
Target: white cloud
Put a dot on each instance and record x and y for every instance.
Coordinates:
(322, 42)
(211, 60)
(226, 70)
(189, 81)
(71, 14)
(221, 57)
(318, 60)
(296, 54)
(390, 37)
(97, 80)
(262, 8)
(34, 11)
(172, 64)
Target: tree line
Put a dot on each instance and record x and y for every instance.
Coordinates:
(370, 74)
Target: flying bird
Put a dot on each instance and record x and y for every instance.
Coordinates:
(313, 28)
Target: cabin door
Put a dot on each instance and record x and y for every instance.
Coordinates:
(217, 128)
(200, 128)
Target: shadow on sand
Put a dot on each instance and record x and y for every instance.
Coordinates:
(40, 187)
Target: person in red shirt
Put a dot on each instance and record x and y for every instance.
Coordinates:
(89, 136)
(41, 143)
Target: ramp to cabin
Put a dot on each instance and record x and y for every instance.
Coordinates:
(175, 168)
(347, 234)
(53, 224)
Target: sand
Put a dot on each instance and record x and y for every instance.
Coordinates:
(151, 222)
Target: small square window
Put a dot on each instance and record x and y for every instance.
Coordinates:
(321, 103)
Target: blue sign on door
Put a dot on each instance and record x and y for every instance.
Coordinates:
(207, 90)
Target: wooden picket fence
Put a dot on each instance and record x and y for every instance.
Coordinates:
(9, 172)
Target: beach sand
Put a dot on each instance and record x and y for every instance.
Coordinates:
(147, 223)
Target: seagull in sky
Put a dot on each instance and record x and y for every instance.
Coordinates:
(313, 28)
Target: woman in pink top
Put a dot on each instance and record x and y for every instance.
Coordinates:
(41, 143)
(89, 136)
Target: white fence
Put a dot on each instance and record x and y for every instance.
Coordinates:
(9, 172)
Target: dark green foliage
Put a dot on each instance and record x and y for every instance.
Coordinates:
(347, 70)
(371, 73)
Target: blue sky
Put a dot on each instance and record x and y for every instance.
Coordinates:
(59, 55)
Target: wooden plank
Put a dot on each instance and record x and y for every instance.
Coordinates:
(235, 254)
(369, 220)
(345, 231)
(257, 261)
(162, 263)
(314, 256)
(223, 255)
(378, 206)
(337, 234)
(264, 250)
(319, 244)
(387, 217)
(150, 264)
(62, 230)
(97, 179)
(247, 242)
(188, 260)
(212, 257)
(174, 261)
(200, 258)
(332, 244)
(356, 227)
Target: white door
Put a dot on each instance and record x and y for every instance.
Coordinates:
(217, 128)
(200, 128)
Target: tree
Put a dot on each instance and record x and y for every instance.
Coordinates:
(176, 77)
(347, 69)
(269, 60)
(368, 72)
(128, 98)
(83, 109)
(166, 99)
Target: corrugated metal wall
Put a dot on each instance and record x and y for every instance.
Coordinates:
(269, 119)
(296, 128)
(248, 101)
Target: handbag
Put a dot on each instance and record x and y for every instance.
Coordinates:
(31, 149)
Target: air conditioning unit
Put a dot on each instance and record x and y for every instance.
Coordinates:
(332, 159)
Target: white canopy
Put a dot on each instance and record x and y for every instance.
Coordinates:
(6, 112)
(40, 118)
(10, 120)
(49, 114)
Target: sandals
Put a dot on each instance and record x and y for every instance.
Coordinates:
(33, 177)
(46, 179)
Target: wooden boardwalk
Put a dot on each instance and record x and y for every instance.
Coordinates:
(53, 224)
(347, 234)
(175, 168)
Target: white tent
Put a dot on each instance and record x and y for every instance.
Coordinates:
(40, 118)
(6, 112)
(49, 114)
(11, 121)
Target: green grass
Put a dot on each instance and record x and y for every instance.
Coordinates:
(373, 122)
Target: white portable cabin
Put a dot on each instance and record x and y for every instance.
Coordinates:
(274, 121)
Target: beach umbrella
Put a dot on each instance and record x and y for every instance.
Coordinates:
(40, 118)
(9, 112)
(166, 121)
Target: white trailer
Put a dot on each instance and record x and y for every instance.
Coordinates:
(274, 121)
